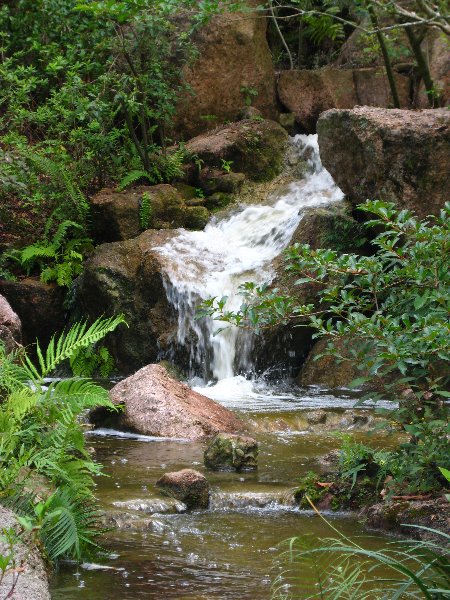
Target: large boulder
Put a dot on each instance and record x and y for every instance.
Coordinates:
(188, 486)
(156, 404)
(234, 64)
(32, 582)
(116, 215)
(39, 306)
(327, 370)
(395, 155)
(10, 326)
(127, 277)
(230, 452)
(255, 148)
(307, 93)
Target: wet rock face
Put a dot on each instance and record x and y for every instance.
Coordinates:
(156, 404)
(396, 155)
(116, 215)
(32, 583)
(127, 277)
(255, 148)
(232, 453)
(307, 93)
(10, 326)
(327, 370)
(188, 486)
(233, 56)
(38, 305)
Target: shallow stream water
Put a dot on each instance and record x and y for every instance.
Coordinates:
(229, 551)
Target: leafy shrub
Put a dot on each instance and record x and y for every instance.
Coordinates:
(394, 307)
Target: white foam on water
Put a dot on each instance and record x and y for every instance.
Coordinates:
(229, 252)
(104, 432)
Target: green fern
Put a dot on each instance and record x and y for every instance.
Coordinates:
(89, 361)
(133, 177)
(59, 174)
(145, 210)
(60, 259)
(41, 436)
(79, 336)
(70, 526)
(171, 165)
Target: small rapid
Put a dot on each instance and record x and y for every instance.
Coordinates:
(231, 250)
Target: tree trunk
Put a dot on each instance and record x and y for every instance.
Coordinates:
(422, 64)
(385, 53)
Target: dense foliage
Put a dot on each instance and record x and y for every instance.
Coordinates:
(88, 92)
(46, 471)
(388, 313)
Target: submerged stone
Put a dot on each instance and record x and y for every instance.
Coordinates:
(152, 506)
(232, 452)
(316, 417)
(187, 485)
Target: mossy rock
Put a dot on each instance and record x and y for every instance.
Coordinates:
(187, 192)
(255, 148)
(213, 181)
(218, 200)
(230, 452)
(196, 217)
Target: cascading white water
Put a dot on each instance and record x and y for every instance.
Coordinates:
(232, 250)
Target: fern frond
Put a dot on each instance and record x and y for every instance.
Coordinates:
(20, 402)
(69, 525)
(79, 336)
(79, 394)
(37, 251)
(58, 172)
(63, 228)
(132, 177)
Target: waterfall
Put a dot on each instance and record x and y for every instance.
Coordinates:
(231, 250)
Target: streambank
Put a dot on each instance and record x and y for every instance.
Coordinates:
(27, 577)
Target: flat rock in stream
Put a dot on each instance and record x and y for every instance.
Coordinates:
(156, 404)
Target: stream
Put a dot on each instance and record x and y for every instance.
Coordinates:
(154, 549)
(229, 551)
